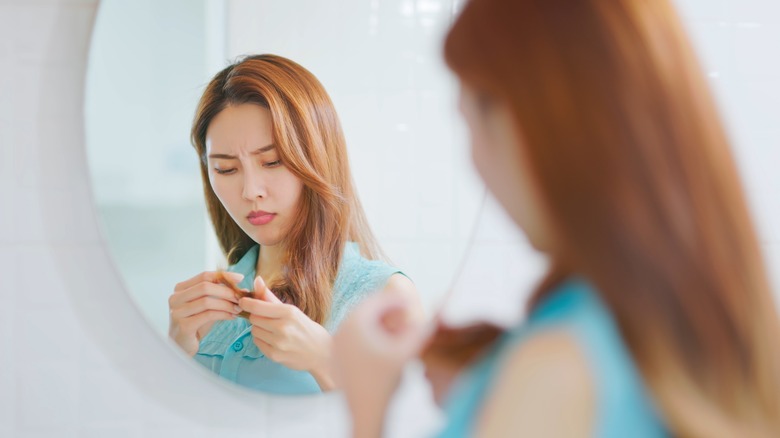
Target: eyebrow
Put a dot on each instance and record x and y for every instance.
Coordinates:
(233, 157)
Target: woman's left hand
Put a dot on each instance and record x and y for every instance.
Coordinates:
(371, 348)
(288, 336)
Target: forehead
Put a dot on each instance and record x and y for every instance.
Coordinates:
(238, 127)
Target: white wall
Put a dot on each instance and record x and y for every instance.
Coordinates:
(381, 64)
(147, 68)
(69, 367)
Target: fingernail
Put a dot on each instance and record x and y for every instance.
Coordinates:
(237, 309)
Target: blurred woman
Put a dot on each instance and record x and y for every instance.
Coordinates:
(592, 125)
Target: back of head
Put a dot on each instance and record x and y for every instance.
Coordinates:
(636, 176)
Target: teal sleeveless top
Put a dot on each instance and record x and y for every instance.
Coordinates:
(623, 406)
(229, 351)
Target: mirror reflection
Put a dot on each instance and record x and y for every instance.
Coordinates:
(279, 192)
(255, 185)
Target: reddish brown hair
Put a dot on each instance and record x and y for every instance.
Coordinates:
(307, 134)
(641, 194)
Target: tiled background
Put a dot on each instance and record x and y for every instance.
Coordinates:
(384, 73)
(77, 358)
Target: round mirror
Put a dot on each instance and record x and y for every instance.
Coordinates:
(149, 65)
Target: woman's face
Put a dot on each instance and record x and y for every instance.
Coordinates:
(496, 150)
(247, 175)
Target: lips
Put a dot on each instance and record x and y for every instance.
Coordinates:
(260, 217)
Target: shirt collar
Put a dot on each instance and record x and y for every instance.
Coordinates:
(246, 266)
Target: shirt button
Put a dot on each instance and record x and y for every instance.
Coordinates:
(238, 345)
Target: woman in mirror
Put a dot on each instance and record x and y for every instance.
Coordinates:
(591, 123)
(280, 195)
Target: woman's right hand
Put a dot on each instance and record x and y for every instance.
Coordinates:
(196, 304)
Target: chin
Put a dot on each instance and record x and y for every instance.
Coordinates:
(265, 239)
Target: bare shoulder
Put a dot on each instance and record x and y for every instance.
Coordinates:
(544, 388)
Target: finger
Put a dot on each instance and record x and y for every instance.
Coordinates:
(264, 308)
(263, 292)
(394, 319)
(203, 304)
(200, 290)
(377, 306)
(231, 280)
(195, 322)
(270, 297)
(382, 318)
(186, 284)
(268, 324)
(232, 277)
(209, 276)
(267, 349)
(263, 335)
(259, 285)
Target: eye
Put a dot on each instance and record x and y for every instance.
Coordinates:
(224, 171)
(273, 163)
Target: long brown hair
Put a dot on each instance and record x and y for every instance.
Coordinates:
(308, 136)
(638, 184)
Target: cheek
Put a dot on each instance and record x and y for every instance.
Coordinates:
(482, 158)
(215, 187)
(481, 150)
(221, 190)
(290, 188)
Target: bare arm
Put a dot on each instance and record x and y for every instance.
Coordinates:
(544, 389)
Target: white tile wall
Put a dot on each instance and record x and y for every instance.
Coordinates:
(7, 341)
(7, 185)
(61, 376)
(396, 102)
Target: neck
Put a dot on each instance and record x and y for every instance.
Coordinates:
(269, 262)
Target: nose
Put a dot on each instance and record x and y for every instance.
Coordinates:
(254, 184)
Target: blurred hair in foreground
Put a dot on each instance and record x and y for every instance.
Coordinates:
(638, 182)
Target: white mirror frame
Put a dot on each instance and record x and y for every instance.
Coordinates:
(60, 189)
